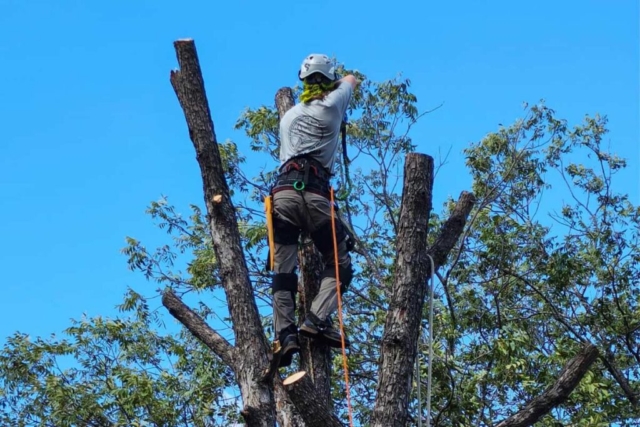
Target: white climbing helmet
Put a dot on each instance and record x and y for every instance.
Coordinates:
(317, 63)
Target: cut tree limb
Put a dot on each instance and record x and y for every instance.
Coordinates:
(250, 340)
(303, 395)
(569, 378)
(189, 87)
(199, 328)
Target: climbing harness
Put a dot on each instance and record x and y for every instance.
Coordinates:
(303, 173)
(430, 343)
(337, 265)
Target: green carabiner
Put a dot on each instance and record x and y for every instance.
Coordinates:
(298, 185)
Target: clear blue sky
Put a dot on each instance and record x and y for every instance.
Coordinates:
(92, 131)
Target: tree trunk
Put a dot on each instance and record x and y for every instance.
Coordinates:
(250, 341)
(400, 335)
(557, 393)
(314, 358)
(284, 101)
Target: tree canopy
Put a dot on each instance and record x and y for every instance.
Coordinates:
(548, 262)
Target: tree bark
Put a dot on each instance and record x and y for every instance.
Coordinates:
(314, 358)
(569, 378)
(398, 348)
(303, 394)
(250, 341)
(286, 412)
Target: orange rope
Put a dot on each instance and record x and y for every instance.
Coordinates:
(344, 352)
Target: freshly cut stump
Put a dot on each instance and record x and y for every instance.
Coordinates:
(303, 394)
(292, 379)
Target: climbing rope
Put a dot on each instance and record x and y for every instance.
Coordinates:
(344, 352)
(429, 373)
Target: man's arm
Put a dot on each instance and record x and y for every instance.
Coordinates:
(340, 97)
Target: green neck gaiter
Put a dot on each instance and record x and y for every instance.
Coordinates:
(315, 90)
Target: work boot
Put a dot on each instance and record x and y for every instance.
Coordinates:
(289, 346)
(315, 328)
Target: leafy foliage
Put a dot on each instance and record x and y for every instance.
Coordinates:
(116, 372)
(525, 288)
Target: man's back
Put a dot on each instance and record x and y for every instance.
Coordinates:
(315, 126)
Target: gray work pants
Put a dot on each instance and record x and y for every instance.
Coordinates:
(312, 213)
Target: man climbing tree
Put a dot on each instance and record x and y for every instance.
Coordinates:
(302, 201)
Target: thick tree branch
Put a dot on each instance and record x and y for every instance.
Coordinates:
(304, 395)
(608, 361)
(199, 328)
(400, 335)
(250, 340)
(452, 229)
(447, 237)
(556, 394)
